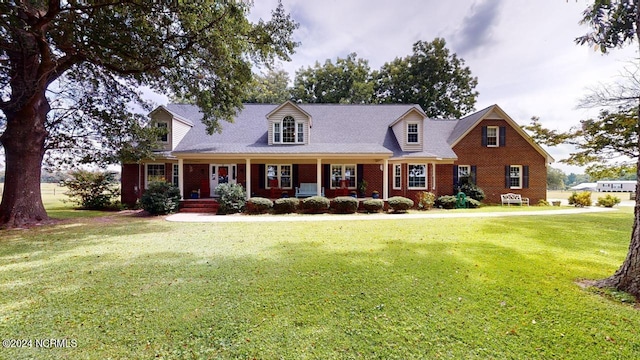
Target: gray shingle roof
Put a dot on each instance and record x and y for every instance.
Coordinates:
(337, 129)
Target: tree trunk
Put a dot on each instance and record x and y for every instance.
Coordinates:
(23, 141)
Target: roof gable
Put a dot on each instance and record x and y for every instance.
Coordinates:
(468, 123)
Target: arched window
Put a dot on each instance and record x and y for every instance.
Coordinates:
(288, 130)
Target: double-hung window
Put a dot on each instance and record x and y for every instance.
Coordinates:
(279, 176)
(417, 176)
(412, 133)
(464, 171)
(492, 136)
(175, 175)
(397, 176)
(288, 131)
(164, 128)
(515, 176)
(343, 172)
(155, 172)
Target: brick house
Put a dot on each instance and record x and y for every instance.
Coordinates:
(273, 150)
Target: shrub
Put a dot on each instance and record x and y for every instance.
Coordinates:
(373, 205)
(471, 190)
(344, 205)
(232, 198)
(258, 205)
(92, 190)
(446, 202)
(286, 205)
(543, 202)
(315, 205)
(160, 198)
(473, 203)
(608, 201)
(426, 200)
(400, 204)
(580, 199)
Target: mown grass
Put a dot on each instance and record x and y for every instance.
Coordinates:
(129, 287)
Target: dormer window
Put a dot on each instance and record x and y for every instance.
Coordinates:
(412, 133)
(163, 126)
(288, 131)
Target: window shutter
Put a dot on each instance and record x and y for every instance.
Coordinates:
(327, 176)
(503, 136)
(455, 177)
(261, 176)
(484, 136)
(525, 176)
(507, 177)
(359, 173)
(474, 178)
(294, 176)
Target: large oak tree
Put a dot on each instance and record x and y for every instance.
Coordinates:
(101, 52)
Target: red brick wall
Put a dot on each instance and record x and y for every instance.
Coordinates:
(130, 185)
(491, 161)
(193, 175)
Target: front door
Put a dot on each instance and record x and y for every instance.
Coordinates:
(222, 174)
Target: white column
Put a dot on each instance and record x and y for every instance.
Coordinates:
(433, 176)
(247, 174)
(319, 177)
(181, 177)
(385, 180)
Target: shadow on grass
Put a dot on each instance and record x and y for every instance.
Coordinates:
(425, 293)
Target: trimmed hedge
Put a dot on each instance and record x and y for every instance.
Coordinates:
(258, 205)
(446, 202)
(232, 198)
(286, 205)
(400, 204)
(580, 199)
(344, 205)
(315, 205)
(608, 201)
(373, 205)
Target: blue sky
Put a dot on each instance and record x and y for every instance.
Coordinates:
(522, 52)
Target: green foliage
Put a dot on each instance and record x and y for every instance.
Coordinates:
(471, 190)
(92, 190)
(160, 198)
(344, 205)
(286, 205)
(347, 81)
(271, 87)
(373, 205)
(399, 204)
(543, 202)
(315, 205)
(232, 198)
(580, 199)
(426, 200)
(473, 203)
(432, 77)
(556, 179)
(608, 201)
(362, 186)
(446, 202)
(258, 205)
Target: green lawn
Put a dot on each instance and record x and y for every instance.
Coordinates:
(129, 287)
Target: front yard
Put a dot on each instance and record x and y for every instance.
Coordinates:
(130, 287)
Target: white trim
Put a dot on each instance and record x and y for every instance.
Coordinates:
(146, 173)
(296, 125)
(512, 177)
(278, 175)
(433, 176)
(343, 174)
(417, 133)
(426, 185)
(497, 129)
(385, 180)
(397, 166)
(181, 178)
(247, 174)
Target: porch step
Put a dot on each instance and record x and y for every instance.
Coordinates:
(199, 206)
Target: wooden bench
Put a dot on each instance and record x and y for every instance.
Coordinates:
(307, 190)
(512, 198)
